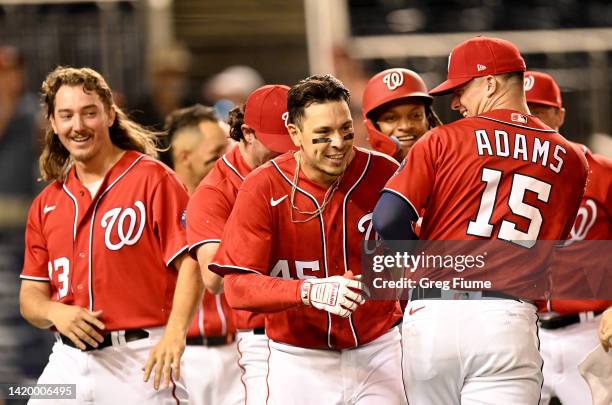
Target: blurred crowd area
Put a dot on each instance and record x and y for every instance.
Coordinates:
(216, 53)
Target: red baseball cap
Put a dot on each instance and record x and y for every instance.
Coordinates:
(479, 56)
(266, 112)
(541, 88)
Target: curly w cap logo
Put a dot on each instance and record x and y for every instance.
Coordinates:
(529, 82)
(129, 226)
(393, 80)
(285, 118)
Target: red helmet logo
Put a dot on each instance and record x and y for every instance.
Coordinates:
(393, 79)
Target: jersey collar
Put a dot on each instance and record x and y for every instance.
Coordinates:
(517, 119)
(123, 164)
(235, 161)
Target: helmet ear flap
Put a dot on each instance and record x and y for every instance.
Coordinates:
(381, 142)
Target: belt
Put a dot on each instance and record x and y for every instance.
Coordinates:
(210, 341)
(114, 338)
(419, 293)
(561, 321)
(256, 331)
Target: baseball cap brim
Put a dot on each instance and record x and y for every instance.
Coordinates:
(279, 143)
(424, 97)
(448, 86)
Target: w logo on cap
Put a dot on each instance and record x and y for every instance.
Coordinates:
(529, 82)
(393, 79)
(285, 117)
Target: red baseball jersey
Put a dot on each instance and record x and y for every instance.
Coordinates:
(593, 222)
(501, 175)
(208, 210)
(266, 235)
(113, 252)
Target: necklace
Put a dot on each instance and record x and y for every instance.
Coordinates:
(326, 198)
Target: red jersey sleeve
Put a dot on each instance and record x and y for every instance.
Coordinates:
(168, 212)
(207, 213)
(246, 244)
(414, 180)
(36, 258)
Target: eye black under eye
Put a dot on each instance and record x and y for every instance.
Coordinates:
(321, 140)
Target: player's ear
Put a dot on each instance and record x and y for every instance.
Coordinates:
(112, 114)
(491, 85)
(561, 116)
(52, 122)
(180, 155)
(248, 133)
(295, 132)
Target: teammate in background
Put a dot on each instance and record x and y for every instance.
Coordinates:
(472, 187)
(104, 242)
(259, 128)
(210, 368)
(291, 248)
(569, 332)
(197, 139)
(397, 111)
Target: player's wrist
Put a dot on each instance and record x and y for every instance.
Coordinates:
(51, 310)
(305, 290)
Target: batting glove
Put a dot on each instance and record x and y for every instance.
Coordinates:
(337, 295)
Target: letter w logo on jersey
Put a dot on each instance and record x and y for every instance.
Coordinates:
(393, 80)
(587, 214)
(129, 226)
(369, 245)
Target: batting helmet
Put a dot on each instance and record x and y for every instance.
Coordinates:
(384, 87)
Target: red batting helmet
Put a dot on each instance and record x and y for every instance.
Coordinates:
(384, 87)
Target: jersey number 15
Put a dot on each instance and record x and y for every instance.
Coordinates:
(482, 226)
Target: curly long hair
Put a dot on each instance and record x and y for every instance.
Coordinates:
(124, 133)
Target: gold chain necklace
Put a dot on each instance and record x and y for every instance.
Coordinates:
(326, 198)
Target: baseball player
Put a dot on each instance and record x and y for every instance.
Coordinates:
(397, 111)
(292, 247)
(103, 242)
(210, 361)
(259, 128)
(473, 187)
(568, 332)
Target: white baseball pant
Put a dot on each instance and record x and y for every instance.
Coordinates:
(562, 350)
(253, 354)
(212, 375)
(471, 352)
(109, 376)
(367, 375)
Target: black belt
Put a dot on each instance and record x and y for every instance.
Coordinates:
(419, 293)
(129, 336)
(209, 341)
(561, 321)
(259, 331)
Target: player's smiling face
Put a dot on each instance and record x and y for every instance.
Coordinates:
(325, 138)
(82, 123)
(468, 99)
(406, 121)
